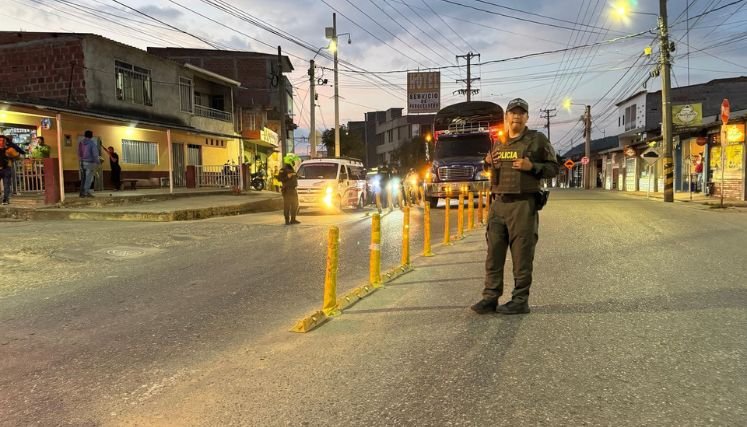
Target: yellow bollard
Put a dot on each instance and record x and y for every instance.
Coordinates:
(427, 230)
(329, 306)
(479, 207)
(460, 217)
(470, 211)
(374, 276)
(487, 207)
(447, 237)
(406, 237)
(378, 201)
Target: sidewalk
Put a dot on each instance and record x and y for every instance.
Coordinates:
(147, 205)
(699, 198)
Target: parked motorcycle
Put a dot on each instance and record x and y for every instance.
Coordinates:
(258, 180)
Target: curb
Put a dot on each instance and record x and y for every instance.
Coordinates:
(52, 214)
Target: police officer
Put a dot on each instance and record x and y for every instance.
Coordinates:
(517, 166)
(289, 179)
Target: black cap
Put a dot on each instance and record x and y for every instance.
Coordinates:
(517, 102)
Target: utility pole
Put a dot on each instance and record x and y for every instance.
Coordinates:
(469, 79)
(547, 114)
(283, 108)
(312, 119)
(666, 106)
(587, 146)
(337, 93)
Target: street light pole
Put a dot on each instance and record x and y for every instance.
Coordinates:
(312, 118)
(337, 93)
(587, 146)
(666, 106)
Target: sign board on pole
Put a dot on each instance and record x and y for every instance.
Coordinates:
(687, 115)
(423, 92)
(651, 155)
(569, 164)
(584, 160)
(725, 110)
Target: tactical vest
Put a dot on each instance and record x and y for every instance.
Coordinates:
(504, 178)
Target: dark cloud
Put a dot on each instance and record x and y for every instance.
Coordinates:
(165, 13)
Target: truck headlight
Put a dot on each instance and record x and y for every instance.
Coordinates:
(483, 176)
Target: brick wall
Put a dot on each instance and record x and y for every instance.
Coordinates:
(42, 69)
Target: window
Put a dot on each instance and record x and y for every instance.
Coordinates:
(133, 83)
(185, 94)
(139, 152)
(630, 118)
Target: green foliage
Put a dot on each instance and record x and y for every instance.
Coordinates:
(411, 154)
(40, 152)
(351, 143)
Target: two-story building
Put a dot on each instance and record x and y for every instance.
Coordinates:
(696, 130)
(159, 115)
(261, 100)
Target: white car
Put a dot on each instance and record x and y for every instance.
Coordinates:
(332, 184)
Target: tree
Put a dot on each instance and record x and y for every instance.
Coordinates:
(351, 143)
(411, 154)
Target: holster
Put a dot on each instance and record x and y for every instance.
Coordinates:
(541, 198)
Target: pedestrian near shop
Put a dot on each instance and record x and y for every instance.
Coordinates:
(289, 180)
(116, 169)
(88, 153)
(517, 166)
(8, 153)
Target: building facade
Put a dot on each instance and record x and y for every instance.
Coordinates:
(160, 116)
(261, 101)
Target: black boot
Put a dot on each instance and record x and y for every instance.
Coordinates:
(485, 306)
(513, 307)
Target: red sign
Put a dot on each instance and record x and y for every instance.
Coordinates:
(569, 164)
(725, 110)
(584, 160)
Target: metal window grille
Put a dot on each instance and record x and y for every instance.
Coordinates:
(185, 93)
(133, 84)
(139, 152)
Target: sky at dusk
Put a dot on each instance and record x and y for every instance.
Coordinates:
(543, 51)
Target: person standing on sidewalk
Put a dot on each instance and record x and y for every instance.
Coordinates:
(516, 166)
(8, 153)
(289, 180)
(88, 151)
(116, 170)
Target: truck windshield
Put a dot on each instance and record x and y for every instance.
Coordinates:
(465, 146)
(318, 171)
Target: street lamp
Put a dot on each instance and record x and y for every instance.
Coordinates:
(331, 33)
(587, 141)
(312, 95)
(666, 87)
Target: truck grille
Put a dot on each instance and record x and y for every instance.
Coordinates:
(456, 173)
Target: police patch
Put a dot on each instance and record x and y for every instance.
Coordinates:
(508, 155)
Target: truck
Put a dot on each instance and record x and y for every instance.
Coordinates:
(463, 134)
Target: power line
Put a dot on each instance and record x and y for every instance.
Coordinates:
(448, 26)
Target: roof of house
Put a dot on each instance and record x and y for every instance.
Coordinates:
(597, 145)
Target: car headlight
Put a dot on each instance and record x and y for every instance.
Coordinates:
(329, 190)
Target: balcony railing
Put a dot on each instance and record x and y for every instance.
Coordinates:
(212, 113)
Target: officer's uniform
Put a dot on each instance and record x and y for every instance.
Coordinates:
(289, 179)
(513, 219)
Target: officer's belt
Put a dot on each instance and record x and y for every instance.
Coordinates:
(508, 198)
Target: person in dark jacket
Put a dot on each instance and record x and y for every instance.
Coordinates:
(289, 179)
(8, 153)
(517, 167)
(116, 174)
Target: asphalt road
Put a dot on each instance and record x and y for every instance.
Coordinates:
(638, 318)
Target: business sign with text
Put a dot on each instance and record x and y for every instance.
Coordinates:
(423, 92)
